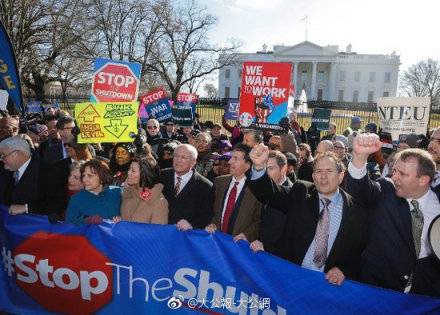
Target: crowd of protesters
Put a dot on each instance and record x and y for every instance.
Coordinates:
(353, 205)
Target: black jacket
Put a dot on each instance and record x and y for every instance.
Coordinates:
(193, 203)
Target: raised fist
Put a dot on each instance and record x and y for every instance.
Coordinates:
(259, 155)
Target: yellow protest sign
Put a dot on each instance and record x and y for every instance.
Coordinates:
(106, 122)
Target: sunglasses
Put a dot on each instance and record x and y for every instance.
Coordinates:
(151, 127)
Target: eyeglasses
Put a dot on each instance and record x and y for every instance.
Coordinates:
(4, 156)
(169, 124)
(151, 127)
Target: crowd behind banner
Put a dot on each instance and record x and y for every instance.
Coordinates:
(355, 205)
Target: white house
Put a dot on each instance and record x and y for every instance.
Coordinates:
(324, 72)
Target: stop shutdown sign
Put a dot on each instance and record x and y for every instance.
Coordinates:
(115, 81)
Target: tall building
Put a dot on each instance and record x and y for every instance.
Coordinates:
(323, 72)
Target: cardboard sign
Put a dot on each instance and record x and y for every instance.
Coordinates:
(115, 81)
(264, 94)
(183, 116)
(404, 115)
(155, 104)
(232, 108)
(321, 118)
(106, 122)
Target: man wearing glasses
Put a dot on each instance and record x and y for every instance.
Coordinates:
(170, 131)
(20, 177)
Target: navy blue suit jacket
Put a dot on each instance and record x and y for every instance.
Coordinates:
(389, 257)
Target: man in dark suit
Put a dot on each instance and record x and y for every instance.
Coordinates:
(236, 210)
(189, 194)
(273, 220)
(398, 254)
(325, 229)
(19, 181)
(29, 186)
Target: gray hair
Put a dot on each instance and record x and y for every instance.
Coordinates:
(76, 165)
(191, 149)
(16, 143)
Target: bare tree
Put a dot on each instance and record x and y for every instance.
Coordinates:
(423, 79)
(210, 90)
(182, 52)
(42, 32)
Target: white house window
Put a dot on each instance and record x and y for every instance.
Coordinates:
(340, 95)
(370, 96)
(227, 73)
(355, 96)
(227, 92)
(321, 76)
(386, 94)
(372, 77)
(357, 76)
(387, 77)
(341, 75)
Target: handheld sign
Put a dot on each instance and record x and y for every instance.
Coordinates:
(404, 115)
(115, 81)
(155, 104)
(106, 122)
(264, 94)
(187, 100)
(321, 118)
(231, 109)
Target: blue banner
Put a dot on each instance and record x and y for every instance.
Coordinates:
(9, 77)
(155, 269)
(161, 110)
(232, 109)
(34, 107)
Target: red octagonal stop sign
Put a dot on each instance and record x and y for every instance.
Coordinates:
(63, 273)
(115, 82)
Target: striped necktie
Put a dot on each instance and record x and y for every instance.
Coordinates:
(321, 235)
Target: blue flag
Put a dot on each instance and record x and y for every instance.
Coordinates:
(9, 77)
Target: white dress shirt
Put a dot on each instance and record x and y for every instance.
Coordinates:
(22, 169)
(430, 207)
(240, 185)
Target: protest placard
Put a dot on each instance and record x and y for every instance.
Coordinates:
(187, 100)
(403, 115)
(115, 81)
(106, 122)
(155, 104)
(321, 118)
(182, 116)
(264, 94)
(232, 108)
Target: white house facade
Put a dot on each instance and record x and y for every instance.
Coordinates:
(323, 72)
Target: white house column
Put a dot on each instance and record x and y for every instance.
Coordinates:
(295, 76)
(313, 91)
(332, 82)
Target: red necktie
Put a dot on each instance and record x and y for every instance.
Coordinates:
(229, 208)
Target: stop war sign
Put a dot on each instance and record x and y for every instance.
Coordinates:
(115, 81)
